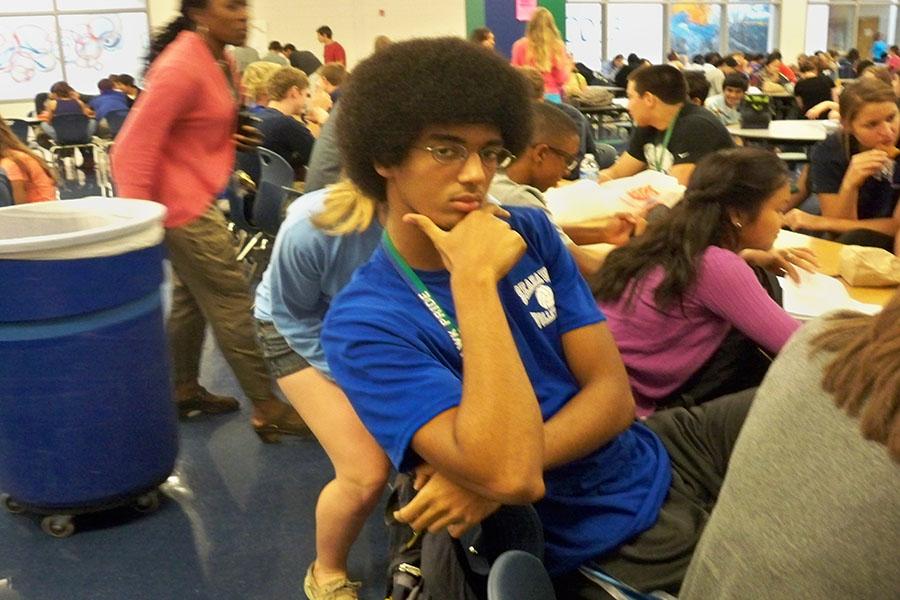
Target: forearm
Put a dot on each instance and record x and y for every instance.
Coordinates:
(589, 260)
(498, 425)
(885, 225)
(593, 417)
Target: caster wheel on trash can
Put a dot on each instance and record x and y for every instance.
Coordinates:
(11, 505)
(58, 526)
(147, 503)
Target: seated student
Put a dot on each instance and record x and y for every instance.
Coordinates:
(109, 100)
(727, 105)
(127, 86)
(483, 36)
(28, 174)
(604, 154)
(255, 83)
(674, 294)
(331, 78)
(621, 76)
(537, 408)
(697, 87)
(810, 507)
(282, 132)
(549, 156)
(812, 88)
(853, 172)
(275, 54)
(321, 242)
(671, 134)
(64, 100)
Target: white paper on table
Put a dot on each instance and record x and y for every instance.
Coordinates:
(587, 199)
(817, 294)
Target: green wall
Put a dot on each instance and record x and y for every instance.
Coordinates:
(474, 15)
(558, 8)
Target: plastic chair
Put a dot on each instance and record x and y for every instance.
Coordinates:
(273, 168)
(239, 211)
(6, 193)
(518, 575)
(72, 133)
(273, 191)
(20, 128)
(71, 130)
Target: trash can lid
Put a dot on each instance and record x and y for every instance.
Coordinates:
(86, 227)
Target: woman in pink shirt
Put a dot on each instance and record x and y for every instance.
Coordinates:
(543, 48)
(29, 176)
(178, 148)
(688, 313)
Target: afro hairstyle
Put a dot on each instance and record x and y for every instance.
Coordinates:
(394, 95)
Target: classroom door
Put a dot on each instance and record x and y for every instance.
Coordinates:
(865, 35)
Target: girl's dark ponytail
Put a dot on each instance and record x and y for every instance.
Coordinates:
(167, 34)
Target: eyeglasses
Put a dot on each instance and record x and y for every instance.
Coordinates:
(491, 156)
(571, 161)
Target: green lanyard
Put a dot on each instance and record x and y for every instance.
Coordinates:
(665, 144)
(421, 291)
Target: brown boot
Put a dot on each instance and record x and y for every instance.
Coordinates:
(202, 401)
(272, 419)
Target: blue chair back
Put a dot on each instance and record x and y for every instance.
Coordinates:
(518, 575)
(115, 119)
(238, 211)
(6, 193)
(274, 169)
(273, 191)
(20, 128)
(71, 129)
(248, 162)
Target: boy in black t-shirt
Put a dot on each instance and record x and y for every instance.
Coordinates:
(813, 88)
(672, 134)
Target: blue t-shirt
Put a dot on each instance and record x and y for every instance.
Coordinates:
(400, 369)
(307, 269)
(107, 102)
(878, 194)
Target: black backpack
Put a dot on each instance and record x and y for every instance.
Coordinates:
(439, 567)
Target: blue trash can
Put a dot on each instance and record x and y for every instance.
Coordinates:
(87, 420)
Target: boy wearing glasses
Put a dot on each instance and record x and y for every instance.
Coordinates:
(472, 350)
(550, 156)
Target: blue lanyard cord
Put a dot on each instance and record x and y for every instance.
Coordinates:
(421, 291)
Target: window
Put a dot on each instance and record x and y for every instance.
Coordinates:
(695, 28)
(840, 27)
(751, 28)
(635, 28)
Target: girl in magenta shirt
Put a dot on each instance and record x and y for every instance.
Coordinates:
(674, 295)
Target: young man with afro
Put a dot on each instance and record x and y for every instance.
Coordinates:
(473, 351)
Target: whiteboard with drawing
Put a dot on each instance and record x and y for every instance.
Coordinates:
(29, 56)
(39, 50)
(95, 46)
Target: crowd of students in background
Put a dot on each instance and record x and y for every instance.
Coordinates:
(597, 383)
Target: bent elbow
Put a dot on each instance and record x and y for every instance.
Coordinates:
(522, 489)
